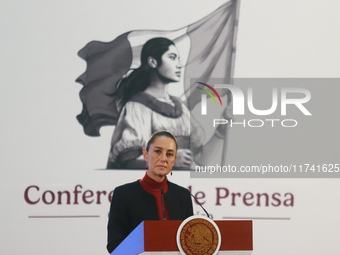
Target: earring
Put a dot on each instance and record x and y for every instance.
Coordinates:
(171, 173)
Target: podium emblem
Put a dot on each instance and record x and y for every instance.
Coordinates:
(198, 235)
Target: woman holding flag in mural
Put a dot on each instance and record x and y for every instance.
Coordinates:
(147, 108)
(138, 103)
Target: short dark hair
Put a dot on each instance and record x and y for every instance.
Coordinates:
(158, 134)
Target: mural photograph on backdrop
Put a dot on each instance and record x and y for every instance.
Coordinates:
(126, 85)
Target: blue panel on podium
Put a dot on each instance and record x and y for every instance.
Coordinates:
(133, 244)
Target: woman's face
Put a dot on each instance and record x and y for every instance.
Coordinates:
(170, 68)
(161, 157)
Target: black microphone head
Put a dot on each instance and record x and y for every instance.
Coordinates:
(162, 191)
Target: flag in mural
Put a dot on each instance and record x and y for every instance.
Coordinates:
(206, 48)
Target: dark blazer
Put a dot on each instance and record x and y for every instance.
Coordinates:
(131, 204)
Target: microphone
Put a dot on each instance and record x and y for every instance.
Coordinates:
(201, 206)
(162, 192)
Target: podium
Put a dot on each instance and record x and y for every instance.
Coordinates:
(159, 237)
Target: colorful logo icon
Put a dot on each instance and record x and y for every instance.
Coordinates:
(204, 97)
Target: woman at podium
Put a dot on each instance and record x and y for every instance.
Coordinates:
(151, 198)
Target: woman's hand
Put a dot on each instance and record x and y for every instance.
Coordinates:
(227, 114)
(228, 111)
(183, 160)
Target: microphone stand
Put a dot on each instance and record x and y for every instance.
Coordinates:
(162, 192)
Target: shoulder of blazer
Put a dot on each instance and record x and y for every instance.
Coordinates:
(129, 187)
(176, 188)
(132, 189)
